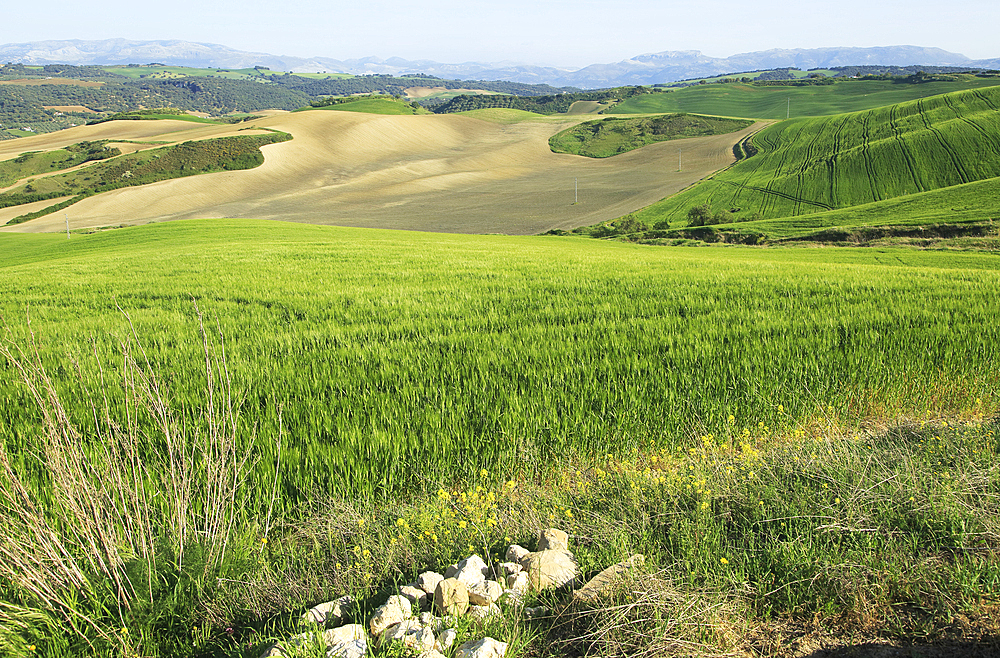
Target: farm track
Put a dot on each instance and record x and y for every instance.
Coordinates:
(956, 163)
(907, 156)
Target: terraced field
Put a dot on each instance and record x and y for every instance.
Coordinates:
(804, 166)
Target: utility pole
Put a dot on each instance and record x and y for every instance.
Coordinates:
(66, 215)
(679, 161)
(576, 191)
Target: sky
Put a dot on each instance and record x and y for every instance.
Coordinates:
(566, 33)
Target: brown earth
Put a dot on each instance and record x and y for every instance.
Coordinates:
(69, 108)
(446, 173)
(33, 82)
(424, 92)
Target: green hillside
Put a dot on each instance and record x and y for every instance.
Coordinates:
(804, 166)
(604, 138)
(774, 102)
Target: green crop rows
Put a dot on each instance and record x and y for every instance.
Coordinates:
(806, 166)
(767, 102)
(386, 350)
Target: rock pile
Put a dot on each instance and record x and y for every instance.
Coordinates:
(423, 615)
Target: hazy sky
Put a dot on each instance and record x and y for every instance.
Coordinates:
(570, 33)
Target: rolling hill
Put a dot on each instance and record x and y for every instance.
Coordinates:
(802, 167)
(430, 172)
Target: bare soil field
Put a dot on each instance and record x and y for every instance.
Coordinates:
(444, 173)
(424, 92)
(70, 108)
(33, 82)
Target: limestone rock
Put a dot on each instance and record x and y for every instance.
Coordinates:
(485, 593)
(396, 609)
(345, 642)
(433, 653)
(484, 648)
(412, 635)
(471, 571)
(516, 554)
(483, 613)
(519, 583)
(550, 569)
(428, 581)
(508, 569)
(451, 597)
(445, 639)
(416, 595)
(552, 539)
(332, 612)
(604, 583)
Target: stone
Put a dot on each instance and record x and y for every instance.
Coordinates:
(345, 642)
(516, 554)
(428, 619)
(445, 639)
(416, 595)
(486, 593)
(537, 613)
(411, 634)
(396, 609)
(512, 598)
(603, 584)
(483, 613)
(552, 539)
(550, 569)
(433, 653)
(428, 581)
(484, 648)
(451, 597)
(508, 569)
(519, 583)
(471, 571)
(332, 612)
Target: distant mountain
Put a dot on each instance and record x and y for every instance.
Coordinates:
(667, 66)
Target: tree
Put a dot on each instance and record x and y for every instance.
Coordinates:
(700, 215)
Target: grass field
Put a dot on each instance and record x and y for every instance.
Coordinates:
(807, 166)
(369, 105)
(760, 102)
(733, 414)
(614, 135)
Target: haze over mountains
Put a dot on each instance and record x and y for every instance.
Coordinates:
(666, 66)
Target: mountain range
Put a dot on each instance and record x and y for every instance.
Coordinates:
(652, 68)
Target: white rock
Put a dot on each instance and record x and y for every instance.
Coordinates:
(412, 635)
(416, 595)
(484, 648)
(331, 611)
(512, 598)
(471, 571)
(519, 583)
(550, 569)
(428, 619)
(346, 642)
(433, 653)
(552, 539)
(396, 609)
(509, 569)
(445, 639)
(482, 613)
(516, 554)
(485, 593)
(428, 581)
